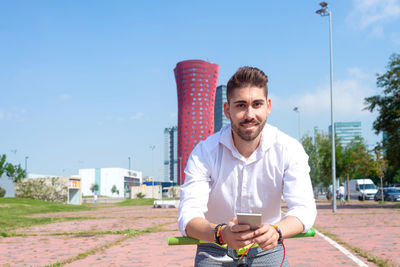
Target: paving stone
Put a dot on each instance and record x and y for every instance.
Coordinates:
(368, 226)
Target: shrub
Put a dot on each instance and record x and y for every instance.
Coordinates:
(2, 192)
(46, 189)
(140, 195)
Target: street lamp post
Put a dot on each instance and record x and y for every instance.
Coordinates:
(325, 12)
(152, 165)
(26, 166)
(296, 109)
(129, 164)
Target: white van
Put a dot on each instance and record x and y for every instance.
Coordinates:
(361, 188)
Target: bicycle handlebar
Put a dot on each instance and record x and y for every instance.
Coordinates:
(184, 240)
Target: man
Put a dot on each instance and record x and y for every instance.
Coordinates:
(341, 194)
(246, 167)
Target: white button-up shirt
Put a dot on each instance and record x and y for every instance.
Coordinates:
(220, 182)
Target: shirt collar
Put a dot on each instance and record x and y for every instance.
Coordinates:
(268, 137)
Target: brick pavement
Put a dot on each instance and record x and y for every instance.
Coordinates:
(369, 227)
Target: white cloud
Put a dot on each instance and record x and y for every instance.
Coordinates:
(377, 31)
(64, 97)
(368, 13)
(373, 16)
(136, 116)
(172, 115)
(14, 114)
(359, 74)
(314, 105)
(348, 96)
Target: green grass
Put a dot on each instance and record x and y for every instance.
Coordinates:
(126, 235)
(14, 212)
(136, 202)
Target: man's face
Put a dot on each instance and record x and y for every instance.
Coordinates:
(248, 109)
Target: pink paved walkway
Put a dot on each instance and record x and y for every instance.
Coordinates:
(369, 227)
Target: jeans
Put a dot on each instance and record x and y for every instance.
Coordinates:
(256, 257)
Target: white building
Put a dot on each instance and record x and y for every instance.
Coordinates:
(7, 184)
(106, 178)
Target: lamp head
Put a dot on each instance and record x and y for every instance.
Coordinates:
(323, 4)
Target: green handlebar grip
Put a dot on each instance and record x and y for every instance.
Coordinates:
(310, 233)
(183, 240)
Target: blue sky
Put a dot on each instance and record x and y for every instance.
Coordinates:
(87, 84)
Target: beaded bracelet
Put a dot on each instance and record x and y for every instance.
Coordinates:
(279, 232)
(217, 234)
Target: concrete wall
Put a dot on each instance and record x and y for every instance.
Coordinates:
(149, 191)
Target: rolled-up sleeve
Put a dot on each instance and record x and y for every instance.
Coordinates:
(195, 191)
(297, 188)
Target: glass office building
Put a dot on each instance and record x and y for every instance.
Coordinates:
(347, 131)
(220, 119)
(171, 154)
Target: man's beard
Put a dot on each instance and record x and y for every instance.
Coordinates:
(248, 135)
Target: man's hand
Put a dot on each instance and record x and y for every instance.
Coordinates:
(266, 236)
(237, 236)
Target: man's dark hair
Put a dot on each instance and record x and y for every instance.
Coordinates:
(247, 76)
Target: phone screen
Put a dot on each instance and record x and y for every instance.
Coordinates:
(252, 219)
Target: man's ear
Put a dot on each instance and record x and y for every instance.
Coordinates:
(226, 110)
(268, 106)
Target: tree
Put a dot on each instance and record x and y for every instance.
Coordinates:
(2, 164)
(114, 190)
(313, 159)
(14, 172)
(388, 106)
(353, 160)
(319, 152)
(358, 162)
(94, 188)
(396, 177)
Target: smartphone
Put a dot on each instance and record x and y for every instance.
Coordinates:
(252, 219)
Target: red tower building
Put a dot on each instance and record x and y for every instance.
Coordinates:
(196, 82)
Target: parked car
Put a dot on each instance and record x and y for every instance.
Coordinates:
(389, 194)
